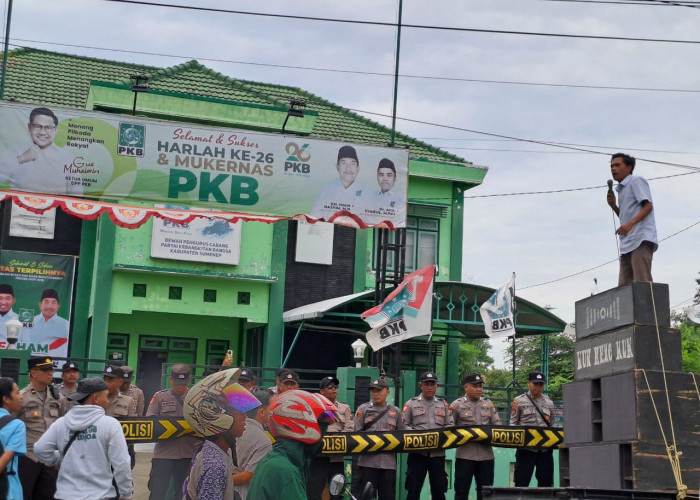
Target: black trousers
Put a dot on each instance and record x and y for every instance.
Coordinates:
(417, 467)
(384, 480)
(481, 470)
(163, 470)
(38, 480)
(526, 461)
(132, 455)
(319, 472)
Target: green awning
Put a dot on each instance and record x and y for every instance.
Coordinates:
(455, 307)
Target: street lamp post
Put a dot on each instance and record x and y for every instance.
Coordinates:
(358, 352)
(13, 327)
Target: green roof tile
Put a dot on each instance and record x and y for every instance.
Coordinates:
(59, 79)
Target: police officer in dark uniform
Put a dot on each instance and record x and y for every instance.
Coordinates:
(375, 416)
(42, 404)
(171, 459)
(533, 408)
(473, 459)
(427, 411)
(70, 375)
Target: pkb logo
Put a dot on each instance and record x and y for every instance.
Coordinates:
(298, 157)
(132, 139)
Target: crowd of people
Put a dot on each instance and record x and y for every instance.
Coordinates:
(65, 441)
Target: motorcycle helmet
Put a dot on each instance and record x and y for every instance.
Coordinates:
(209, 401)
(296, 414)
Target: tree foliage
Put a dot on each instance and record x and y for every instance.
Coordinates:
(474, 357)
(528, 357)
(690, 336)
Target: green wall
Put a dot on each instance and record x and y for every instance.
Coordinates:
(422, 191)
(175, 325)
(192, 302)
(133, 248)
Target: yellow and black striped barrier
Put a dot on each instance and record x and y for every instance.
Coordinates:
(450, 437)
(154, 429)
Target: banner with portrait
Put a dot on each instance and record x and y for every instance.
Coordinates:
(37, 290)
(90, 154)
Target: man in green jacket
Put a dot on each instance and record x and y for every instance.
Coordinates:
(298, 420)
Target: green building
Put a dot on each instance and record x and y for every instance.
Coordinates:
(145, 311)
(271, 309)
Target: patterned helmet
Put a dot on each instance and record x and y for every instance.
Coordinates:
(209, 401)
(296, 414)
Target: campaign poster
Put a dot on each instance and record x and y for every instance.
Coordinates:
(89, 154)
(40, 298)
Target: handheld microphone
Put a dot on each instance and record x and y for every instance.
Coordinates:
(610, 184)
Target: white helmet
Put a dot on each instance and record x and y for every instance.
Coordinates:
(208, 402)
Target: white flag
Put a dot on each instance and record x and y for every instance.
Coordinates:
(497, 312)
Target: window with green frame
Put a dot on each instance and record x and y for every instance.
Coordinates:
(422, 239)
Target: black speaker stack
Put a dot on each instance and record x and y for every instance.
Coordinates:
(630, 398)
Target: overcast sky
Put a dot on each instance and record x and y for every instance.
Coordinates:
(541, 237)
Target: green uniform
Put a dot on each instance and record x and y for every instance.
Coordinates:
(280, 474)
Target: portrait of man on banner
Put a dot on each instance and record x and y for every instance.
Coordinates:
(49, 331)
(39, 165)
(38, 290)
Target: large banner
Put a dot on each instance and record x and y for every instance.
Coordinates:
(405, 313)
(39, 295)
(90, 154)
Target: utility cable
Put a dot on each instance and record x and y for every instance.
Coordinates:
(604, 263)
(532, 141)
(618, 148)
(403, 25)
(368, 73)
(553, 191)
(643, 3)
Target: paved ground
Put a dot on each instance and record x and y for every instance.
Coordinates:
(144, 453)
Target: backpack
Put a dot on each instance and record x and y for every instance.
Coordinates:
(4, 481)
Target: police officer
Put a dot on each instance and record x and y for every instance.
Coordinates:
(171, 459)
(247, 378)
(42, 404)
(322, 468)
(120, 405)
(255, 442)
(427, 411)
(533, 408)
(473, 459)
(287, 380)
(129, 389)
(378, 415)
(70, 375)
